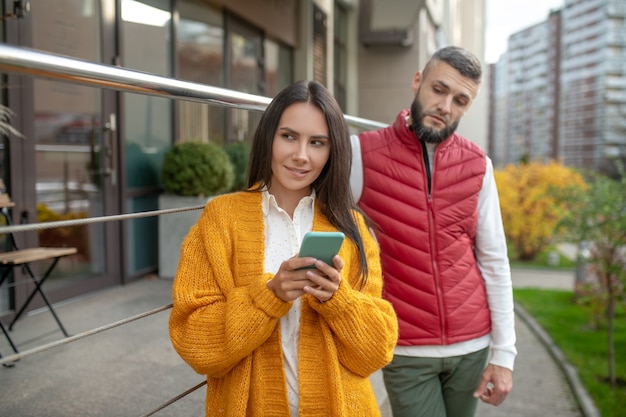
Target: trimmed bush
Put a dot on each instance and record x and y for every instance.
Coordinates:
(197, 169)
(239, 153)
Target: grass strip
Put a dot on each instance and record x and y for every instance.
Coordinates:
(584, 346)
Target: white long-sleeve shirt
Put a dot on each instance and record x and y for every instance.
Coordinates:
(493, 262)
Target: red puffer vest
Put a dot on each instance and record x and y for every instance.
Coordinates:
(429, 268)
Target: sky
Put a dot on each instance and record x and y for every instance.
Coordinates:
(505, 17)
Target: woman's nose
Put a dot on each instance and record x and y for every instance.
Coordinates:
(300, 152)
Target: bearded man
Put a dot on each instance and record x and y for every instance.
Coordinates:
(433, 196)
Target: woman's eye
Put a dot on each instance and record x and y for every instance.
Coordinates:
(319, 142)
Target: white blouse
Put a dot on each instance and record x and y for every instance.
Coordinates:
(283, 236)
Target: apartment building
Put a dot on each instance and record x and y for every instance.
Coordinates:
(525, 93)
(498, 145)
(564, 96)
(593, 83)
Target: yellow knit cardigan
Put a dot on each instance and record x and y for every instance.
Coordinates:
(225, 322)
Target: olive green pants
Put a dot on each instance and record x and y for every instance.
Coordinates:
(434, 387)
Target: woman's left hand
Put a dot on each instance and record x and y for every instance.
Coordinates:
(326, 277)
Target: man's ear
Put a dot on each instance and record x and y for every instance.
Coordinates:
(415, 83)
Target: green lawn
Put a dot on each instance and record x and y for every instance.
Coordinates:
(585, 348)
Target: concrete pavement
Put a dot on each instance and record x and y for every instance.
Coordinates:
(132, 370)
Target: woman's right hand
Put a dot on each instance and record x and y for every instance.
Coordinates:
(289, 282)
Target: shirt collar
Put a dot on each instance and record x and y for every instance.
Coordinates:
(268, 200)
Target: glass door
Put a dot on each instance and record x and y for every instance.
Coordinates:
(75, 147)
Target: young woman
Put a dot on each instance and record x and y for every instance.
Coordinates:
(272, 338)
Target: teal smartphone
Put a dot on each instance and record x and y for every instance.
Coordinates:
(321, 245)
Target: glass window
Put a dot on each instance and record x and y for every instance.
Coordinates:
(278, 67)
(147, 128)
(4, 294)
(200, 59)
(245, 74)
(340, 54)
(147, 119)
(319, 45)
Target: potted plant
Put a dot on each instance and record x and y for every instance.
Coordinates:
(197, 169)
(239, 153)
(192, 173)
(5, 122)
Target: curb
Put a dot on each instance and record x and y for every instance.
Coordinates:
(585, 402)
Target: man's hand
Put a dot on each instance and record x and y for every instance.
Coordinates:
(495, 385)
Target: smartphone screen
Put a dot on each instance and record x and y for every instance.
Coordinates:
(321, 245)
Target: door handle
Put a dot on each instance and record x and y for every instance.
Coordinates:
(109, 129)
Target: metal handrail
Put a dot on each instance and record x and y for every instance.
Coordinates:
(77, 71)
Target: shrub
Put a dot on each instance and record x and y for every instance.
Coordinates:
(197, 169)
(530, 213)
(239, 153)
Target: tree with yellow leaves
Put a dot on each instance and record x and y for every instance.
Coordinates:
(529, 213)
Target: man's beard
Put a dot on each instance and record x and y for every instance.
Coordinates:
(428, 134)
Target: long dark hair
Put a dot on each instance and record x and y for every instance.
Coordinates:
(332, 187)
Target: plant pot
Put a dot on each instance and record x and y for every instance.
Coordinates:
(173, 228)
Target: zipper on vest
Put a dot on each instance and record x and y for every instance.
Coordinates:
(433, 243)
(426, 165)
(436, 277)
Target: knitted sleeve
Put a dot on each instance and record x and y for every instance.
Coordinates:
(222, 311)
(364, 326)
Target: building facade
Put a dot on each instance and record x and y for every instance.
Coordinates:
(533, 90)
(91, 152)
(564, 97)
(593, 83)
(498, 145)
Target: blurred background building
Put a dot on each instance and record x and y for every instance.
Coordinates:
(560, 90)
